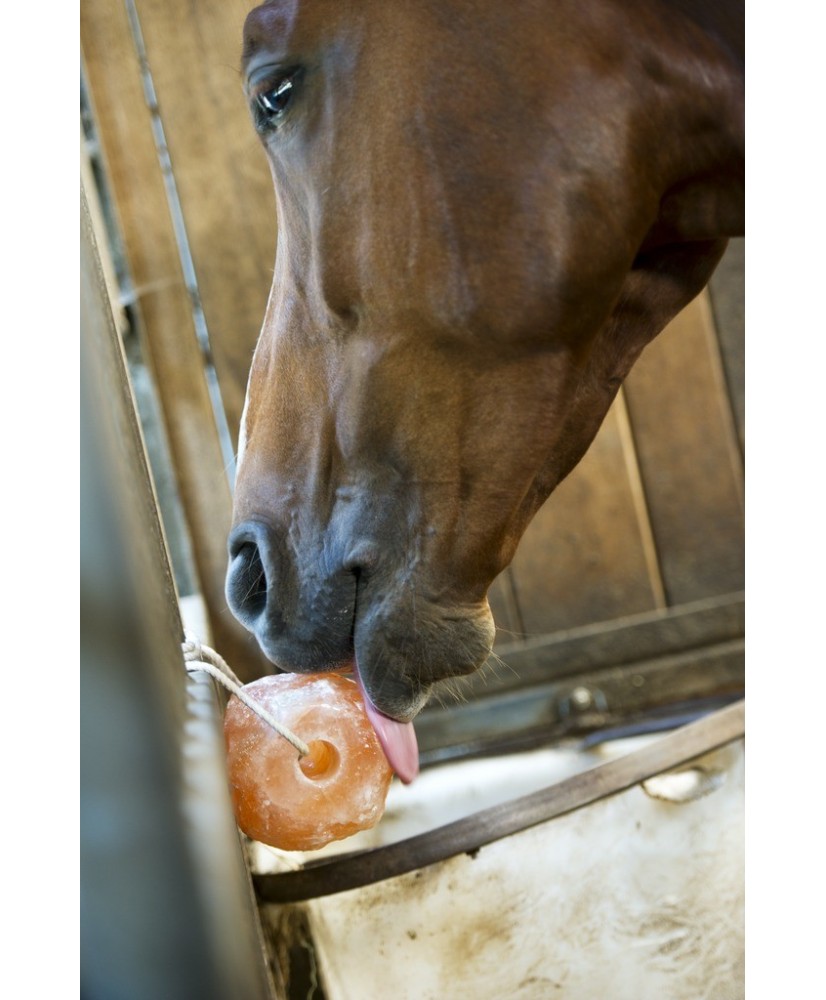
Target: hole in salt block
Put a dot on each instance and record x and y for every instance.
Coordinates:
(321, 762)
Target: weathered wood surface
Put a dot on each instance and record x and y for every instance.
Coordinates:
(167, 902)
(221, 174)
(108, 395)
(163, 300)
(583, 559)
(729, 309)
(618, 643)
(636, 669)
(653, 515)
(692, 468)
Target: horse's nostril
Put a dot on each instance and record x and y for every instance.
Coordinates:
(256, 578)
(247, 583)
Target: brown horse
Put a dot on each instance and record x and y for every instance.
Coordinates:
(485, 212)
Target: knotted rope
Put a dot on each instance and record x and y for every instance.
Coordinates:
(200, 657)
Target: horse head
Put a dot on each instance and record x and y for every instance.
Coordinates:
(485, 212)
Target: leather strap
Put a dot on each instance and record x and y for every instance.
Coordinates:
(472, 832)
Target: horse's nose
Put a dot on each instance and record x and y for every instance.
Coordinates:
(249, 577)
(299, 603)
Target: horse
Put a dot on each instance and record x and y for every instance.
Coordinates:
(485, 211)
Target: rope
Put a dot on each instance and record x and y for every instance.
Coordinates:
(200, 657)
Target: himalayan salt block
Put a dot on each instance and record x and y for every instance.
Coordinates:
(302, 803)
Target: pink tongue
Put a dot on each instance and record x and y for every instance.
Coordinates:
(398, 739)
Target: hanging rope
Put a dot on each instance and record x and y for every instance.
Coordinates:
(200, 657)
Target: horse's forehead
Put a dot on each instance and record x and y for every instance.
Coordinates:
(275, 18)
(287, 23)
(404, 33)
(274, 25)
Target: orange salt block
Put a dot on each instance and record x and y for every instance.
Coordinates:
(302, 803)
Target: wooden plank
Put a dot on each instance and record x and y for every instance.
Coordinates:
(109, 395)
(689, 457)
(635, 667)
(164, 309)
(96, 216)
(612, 697)
(623, 642)
(727, 293)
(168, 907)
(584, 556)
(221, 174)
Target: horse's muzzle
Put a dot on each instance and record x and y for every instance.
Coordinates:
(327, 610)
(303, 622)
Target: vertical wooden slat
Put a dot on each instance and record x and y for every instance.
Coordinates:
(97, 215)
(727, 293)
(109, 400)
(164, 307)
(637, 488)
(221, 174)
(689, 457)
(582, 558)
(167, 907)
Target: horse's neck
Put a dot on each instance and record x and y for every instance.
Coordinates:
(722, 19)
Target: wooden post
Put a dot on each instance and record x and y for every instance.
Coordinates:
(128, 123)
(167, 907)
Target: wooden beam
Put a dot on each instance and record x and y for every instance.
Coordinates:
(167, 900)
(165, 310)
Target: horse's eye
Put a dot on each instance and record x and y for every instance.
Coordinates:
(271, 105)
